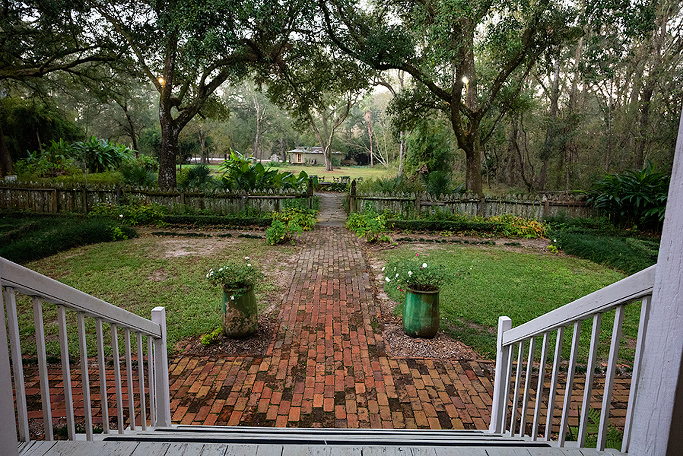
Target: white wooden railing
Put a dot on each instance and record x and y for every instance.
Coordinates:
(152, 389)
(510, 417)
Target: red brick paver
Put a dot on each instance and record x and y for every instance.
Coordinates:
(327, 365)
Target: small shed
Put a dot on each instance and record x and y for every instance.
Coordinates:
(309, 155)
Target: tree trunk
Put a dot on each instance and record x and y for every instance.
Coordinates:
(401, 151)
(5, 158)
(551, 132)
(169, 147)
(643, 124)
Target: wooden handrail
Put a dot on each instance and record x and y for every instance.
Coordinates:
(630, 289)
(49, 290)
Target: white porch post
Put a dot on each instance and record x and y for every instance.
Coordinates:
(8, 427)
(500, 392)
(658, 410)
(163, 400)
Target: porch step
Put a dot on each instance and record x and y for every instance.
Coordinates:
(327, 437)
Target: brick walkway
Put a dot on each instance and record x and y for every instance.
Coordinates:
(327, 366)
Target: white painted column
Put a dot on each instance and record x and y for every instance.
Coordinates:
(658, 411)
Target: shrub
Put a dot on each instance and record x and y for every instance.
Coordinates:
(141, 171)
(198, 176)
(240, 173)
(212, 337)
(636, 197)
(55, 160)
(133, 214)
(369, 224)
(38, 237)
(304, 218)
(398, 184)
(101, 155)
(629, 255)
(280, 232)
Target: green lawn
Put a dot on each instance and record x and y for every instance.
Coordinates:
(140, 274)
(487, 282)
(352, 171)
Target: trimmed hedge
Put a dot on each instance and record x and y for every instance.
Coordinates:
(32, 237)
(443, 225)
(628, 254)
(216, 220)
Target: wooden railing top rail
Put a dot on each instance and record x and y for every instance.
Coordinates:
(32, 283)
(632, 288)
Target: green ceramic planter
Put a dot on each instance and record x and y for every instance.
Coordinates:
(240, 312)
(421, 313)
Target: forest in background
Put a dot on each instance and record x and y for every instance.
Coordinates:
(605, 98)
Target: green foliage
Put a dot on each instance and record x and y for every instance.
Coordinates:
(239, 173)
(613, 438)
(369, 224)
(280, 232)
(101, 155)
(430, 146)
(636, 197)
(55, 160)
(235, 274)
(304, 218)
(132, 214)
(26, 123)
(31, 237)
(504, 225)
(198, 176)
(626, 254)
(212, 337)
(414, 273)
(439, 183)
(398, 184)
(140, 172)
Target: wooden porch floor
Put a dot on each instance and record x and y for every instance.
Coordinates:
(119, 448)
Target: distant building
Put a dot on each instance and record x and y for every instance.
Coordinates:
(309, 155)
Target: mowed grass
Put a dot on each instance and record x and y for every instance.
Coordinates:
(354, 172)
(487, 282)
(143, 273)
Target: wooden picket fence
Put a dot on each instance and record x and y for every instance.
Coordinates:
(535, 207)
(78, 199)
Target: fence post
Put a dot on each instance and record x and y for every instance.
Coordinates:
(162, 398)
(352, 197)
(500, 395)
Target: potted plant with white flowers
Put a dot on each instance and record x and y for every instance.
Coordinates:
(240, 310)
(421, 281)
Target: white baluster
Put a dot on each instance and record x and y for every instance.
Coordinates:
(141, 383)
(42, 368)
(590, 372)
(553, 382)
(539, 387)
(527, 386)
(103, 375)
(8, 426)
(129, 379)
(85, 378)
(609, 378)
(66, 373)
(564, 421)
(117, 377)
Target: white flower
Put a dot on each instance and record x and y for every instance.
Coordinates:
(397, 274)
(120, 215)
(554, 240)
(387, 279)
(248, 264)
(207, 275)
(232, 298)
(383, 268)
(410, 273)
(424, 265)
(246, 258)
